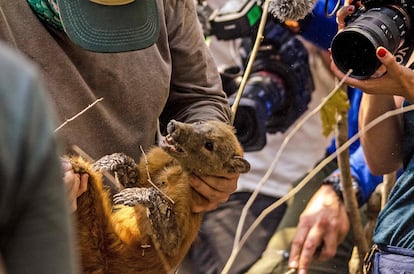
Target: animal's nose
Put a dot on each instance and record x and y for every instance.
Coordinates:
(171, 126)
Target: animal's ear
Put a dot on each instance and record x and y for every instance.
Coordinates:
(238, 164)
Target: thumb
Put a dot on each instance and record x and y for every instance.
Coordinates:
(387, 58)
(389, 61)
(66, 165)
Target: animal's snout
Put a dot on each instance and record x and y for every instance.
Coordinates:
(171, 127)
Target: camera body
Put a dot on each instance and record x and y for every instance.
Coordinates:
(386, 23)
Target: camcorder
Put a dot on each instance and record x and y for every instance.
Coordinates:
(279, 87)
(386, 23)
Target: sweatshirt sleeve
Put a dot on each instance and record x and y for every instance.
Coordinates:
(196, 91)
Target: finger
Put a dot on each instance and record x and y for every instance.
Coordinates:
(69, 180)
(200, 204)
(226, 184)
(349, 80)
(389, 61)
(83, 184)
(328, 249)
(66, 165)
(342, 13)
(313, 240)
(297, 245)
(75, 186)
(208, 192)
(72, 183)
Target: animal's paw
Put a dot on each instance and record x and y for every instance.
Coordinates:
(134, 196)
(123, 166)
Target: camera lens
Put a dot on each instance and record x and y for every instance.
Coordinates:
(249, 124)
(355, 46)
(263, 95)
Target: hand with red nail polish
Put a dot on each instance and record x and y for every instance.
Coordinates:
(394, 79)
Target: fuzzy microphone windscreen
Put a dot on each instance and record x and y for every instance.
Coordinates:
(290, 9)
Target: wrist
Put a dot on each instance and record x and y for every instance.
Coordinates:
(334, 181)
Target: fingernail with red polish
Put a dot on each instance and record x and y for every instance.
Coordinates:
(351, 8)
(382, 52)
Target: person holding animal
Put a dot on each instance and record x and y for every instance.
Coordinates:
(151, 229)
(146, 59)
(36, 234)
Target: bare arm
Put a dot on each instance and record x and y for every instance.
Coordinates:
(382, 143)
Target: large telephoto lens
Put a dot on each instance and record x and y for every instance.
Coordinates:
(355, 46)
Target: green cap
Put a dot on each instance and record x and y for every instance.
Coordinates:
(110, 25)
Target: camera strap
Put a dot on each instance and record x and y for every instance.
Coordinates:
(404, 55)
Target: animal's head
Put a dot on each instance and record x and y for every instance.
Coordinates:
(208, 148)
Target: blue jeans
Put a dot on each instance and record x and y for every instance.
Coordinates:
(390, 260)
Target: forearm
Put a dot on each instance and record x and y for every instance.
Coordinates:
(382, 143)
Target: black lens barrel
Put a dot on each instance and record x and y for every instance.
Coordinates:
(355, 46)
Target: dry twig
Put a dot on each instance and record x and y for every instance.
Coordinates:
(77, 115)
(349, 196)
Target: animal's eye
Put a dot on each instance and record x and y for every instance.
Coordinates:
(209, 146)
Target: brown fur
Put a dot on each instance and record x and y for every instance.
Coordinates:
(130, 239)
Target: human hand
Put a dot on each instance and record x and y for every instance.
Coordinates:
(75, 183)
(212, 190)
(322, 226)
(343, 13)
(398, 80)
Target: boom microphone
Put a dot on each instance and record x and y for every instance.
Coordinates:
(290, 9)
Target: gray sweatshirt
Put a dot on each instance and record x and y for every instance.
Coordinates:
(174, 79)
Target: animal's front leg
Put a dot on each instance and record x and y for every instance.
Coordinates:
(160, 213)
(123, 166)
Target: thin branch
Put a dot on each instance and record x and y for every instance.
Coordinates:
(12, 37)
(249, 66)
(77, 115)
(349, 196)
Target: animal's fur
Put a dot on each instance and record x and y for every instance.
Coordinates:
(153, 234)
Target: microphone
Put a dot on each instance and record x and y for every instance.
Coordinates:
(290, 9)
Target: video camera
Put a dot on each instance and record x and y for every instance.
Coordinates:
(279, 87)
(375, 23)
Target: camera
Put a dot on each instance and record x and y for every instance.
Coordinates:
(235, 19)
(279, 87)
(386, 23)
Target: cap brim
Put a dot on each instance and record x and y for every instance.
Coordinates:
(103, 28)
